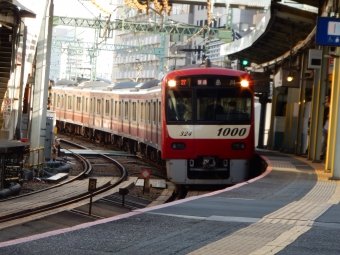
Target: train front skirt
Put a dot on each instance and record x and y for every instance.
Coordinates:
(183, 171)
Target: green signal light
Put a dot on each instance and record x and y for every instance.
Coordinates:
(245, 62)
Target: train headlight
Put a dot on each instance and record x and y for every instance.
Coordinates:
(172, 83)
(178, 146)
(244, 83)
(238, 146)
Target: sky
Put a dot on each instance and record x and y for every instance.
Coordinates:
(83, 8)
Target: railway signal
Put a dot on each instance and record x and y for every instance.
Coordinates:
(244, 63)
(145, 175)
(92, 187)
(92, 184)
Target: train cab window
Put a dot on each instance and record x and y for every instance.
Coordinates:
(179, 105)
(223, 105)
(107, 107)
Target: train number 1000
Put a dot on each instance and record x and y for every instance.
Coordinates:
(232, 132)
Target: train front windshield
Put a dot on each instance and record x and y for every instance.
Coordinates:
(209, 100)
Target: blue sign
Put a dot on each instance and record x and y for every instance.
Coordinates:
(328, 31)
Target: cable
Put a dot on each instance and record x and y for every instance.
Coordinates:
(87, 9)
(99, 7)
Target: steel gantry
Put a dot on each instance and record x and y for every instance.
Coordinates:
(58, 45)
(224, 35)
(141, 27)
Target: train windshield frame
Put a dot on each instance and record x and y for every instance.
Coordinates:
(212, 99)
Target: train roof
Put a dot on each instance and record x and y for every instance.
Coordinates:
(125, 85)
(66, 82)
(150, 84)
(93, 84)
(196, 66)
(121, 86)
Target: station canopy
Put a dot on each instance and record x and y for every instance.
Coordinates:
(282, 28)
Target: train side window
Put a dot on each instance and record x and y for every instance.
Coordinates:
(154, 112)
(69, 102)
(148, 112)
(159, 112)
(99, 106)
(107, 107)
(54, 100)
(120, 109)
(78, 104)
(126, 114)
(116, 109)
(112, 107)
(134, 112)
(91, 105)
(142, 110)
(86, 105)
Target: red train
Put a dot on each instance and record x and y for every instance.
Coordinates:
(199, 120)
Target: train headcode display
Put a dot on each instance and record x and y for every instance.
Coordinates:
(206, 81)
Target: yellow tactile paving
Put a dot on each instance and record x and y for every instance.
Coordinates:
(282, 241)
(335, 199)
(277, 230)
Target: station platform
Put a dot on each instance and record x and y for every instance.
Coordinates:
(292, 208)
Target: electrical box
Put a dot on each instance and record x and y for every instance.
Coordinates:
(332, 50)
(314, 59)
(49, 138)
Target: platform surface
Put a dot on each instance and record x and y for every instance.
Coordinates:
(293, 208)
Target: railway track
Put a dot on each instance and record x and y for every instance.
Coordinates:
(66, 193)
(67, 204)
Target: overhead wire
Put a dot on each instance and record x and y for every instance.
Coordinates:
(86, 8)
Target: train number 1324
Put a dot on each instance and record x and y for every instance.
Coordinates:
(232, 132)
